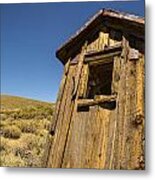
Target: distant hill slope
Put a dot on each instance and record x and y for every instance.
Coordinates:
(24, 131)
(8, 101)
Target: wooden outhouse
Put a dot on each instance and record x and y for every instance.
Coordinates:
(99, 115)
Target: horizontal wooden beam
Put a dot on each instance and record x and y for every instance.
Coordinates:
(99, 99)
(115, 47)
(105, 55)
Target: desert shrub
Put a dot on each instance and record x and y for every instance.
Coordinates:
(10, 119)
(49, 118)
(10, 160)
(3, 117)
(47, 125)
(23, 152)
(8, 113)
(42, 132)
(33, 121)
(42, 124)
(2, 123)
(3, 144)
(50, 111)
(14, 146)
(15, 115)
(30, 139)
(23, 114)
(27, 126)
(11, 132)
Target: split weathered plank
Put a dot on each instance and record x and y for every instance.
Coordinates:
(97, 100)
(103, 39)
(57, 149)
(79, 70)
(124, 101)
(59, 97)
(57, 109)
(112, 128)
(113, 139)
(138, 121)
(84, 81)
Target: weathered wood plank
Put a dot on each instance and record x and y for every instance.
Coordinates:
(112, 116)
(104, 36)
(97, 100)
(84, 81)
(137, 149)
(124, 101)
(113, 122)
(56, 154)
(59, 97)
(109, 49)
(79, 70)
(116, 75)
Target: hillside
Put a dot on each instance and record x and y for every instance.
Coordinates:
(24, 131)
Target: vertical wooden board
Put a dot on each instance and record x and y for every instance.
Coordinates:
(110, 156)
(72, 151)
(126, 117)
(103, 40)
(89, 139)
(77, 76)
(137, 157)
(115, 161)
(113, 129)
(60, 95)
(110, 138)
(57, 148)
(140, 85)
(132, 111)
(99, 126)
(116, 75)
(55, 116)
(129, 92)
(130, 107)
(83, 81)
(121, 112)
(104, 119)
(75, 148)
(86, 146)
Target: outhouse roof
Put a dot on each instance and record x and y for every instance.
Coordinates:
(132, 24)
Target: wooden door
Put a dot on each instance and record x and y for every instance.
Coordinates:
(92, 128)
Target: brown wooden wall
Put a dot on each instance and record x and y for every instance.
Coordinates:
(102, 138)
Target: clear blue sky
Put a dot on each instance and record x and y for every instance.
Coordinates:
(30, 35)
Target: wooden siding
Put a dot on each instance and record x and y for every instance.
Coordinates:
(101, 137)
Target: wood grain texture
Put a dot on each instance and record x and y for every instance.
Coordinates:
(102, 136)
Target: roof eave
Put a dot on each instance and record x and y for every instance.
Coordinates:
(104, 13)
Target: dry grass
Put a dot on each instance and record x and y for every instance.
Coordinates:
(24, 131)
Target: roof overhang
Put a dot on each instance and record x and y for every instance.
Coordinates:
(129, 23)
